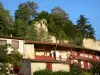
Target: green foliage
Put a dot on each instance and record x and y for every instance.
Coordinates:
(20, 28)
(31, 31)
(82, 30)
(14, 58)
(86, 73)
(75, 69)
(43, 72)
(48, 72)
(95, 67)
(5, 22)
(26, 11)
(58, 24)
(42, 15)
(3, 60)
(61, 73)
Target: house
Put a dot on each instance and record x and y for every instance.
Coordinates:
(53, 56)
(57, 56)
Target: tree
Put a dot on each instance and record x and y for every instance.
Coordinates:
(20, 28)
(26, 11)
(14, 58)
(31, 31)
(75, 69)
(83, 30)
(3, 60)
(42, 15)
(60, 12)
(6, 22)
(95, 69)
(58, 23)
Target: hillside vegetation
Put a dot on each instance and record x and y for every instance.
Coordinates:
(59, 24)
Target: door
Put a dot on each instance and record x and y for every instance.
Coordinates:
(49, 66)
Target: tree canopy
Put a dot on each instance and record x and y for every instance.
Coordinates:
(6, 58)
(5, 22)
(59, 24)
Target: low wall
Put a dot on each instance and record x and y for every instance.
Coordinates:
(36, 66)
(60, 66)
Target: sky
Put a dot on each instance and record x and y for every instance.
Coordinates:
(89, 8)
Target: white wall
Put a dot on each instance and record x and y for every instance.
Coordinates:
(62, 67)
(36, 66)
(92, 44)
(29, 51)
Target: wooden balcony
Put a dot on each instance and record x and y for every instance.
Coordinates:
(49, 58)
(44, 58)
(77, 56)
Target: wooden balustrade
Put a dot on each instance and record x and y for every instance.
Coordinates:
(76, 55)
(44, 58)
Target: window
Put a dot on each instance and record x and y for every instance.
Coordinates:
(15, 44)
(3, 42)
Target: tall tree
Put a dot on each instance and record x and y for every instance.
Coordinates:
(83, 30)
(58, 23)
(42, 15)
(20, 28)
(26, 11)
(5, 22)
(31, 31)
(61, 12)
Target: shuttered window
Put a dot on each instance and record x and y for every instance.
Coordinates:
(3, 42)
(15, 44)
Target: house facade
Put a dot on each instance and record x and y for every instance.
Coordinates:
(53, 56)
(15, 42)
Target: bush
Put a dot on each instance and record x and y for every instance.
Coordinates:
(43, 72)
(61, 73)
(85, 73)
(48, 72)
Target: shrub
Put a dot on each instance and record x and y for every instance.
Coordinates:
(60, 73)
(43, 72)
(85, 73)
(48, 72)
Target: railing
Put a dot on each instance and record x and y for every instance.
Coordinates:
(78, 56)
(44, 58)
(51, 58)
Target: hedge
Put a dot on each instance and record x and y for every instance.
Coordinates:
(48, 72)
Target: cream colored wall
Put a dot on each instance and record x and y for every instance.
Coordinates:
(39, 53)
(58, 67)
(37, 66)
(21, 44)
(29, 51)
(92, 44)
(63, 55)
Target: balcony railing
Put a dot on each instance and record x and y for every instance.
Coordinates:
(78, 56)
(44, 58)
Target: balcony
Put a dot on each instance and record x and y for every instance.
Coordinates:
(44, 58)
(77, 56)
